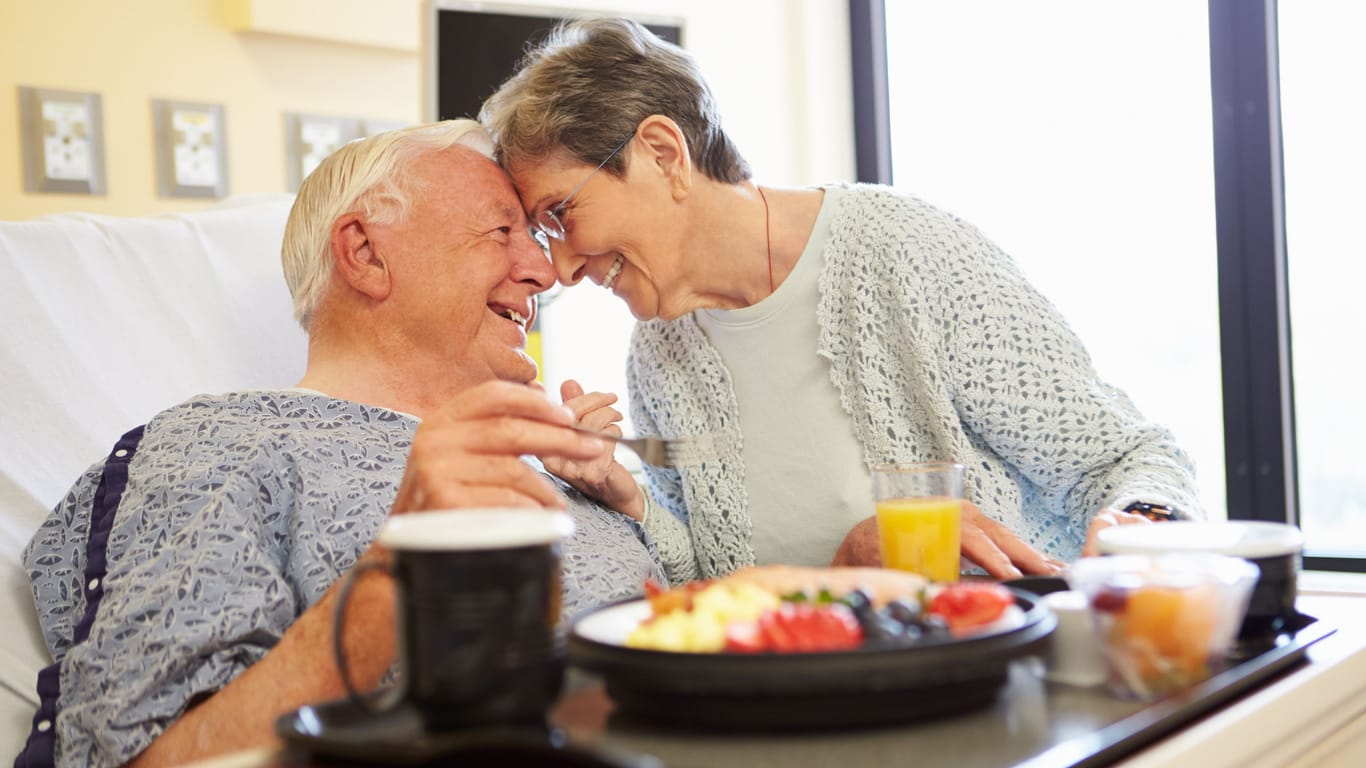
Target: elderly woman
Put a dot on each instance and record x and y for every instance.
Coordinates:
(810, 332)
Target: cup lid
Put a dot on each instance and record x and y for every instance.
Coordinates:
(1240, 538)
(475, 529)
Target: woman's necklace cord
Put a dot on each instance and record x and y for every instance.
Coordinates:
(768, 237)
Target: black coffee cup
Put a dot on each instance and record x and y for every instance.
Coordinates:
(1273, 547)
(479, 596)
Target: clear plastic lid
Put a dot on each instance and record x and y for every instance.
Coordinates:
(1240, 538)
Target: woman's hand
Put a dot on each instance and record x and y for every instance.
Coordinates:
(999, 551)
(985, 542)
(601, 477)
(1108, 518)
(861, 546)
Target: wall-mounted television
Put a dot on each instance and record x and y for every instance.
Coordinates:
(470, 48)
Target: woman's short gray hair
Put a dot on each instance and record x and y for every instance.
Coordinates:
(589, 85)
(372, 176)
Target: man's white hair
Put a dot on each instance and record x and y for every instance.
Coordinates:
(371, 175)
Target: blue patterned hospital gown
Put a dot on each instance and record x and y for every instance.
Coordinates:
(237, 512)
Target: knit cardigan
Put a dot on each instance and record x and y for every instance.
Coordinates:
(939, 349)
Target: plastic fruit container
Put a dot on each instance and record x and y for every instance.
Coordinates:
(1165, 622)
(1272, 547)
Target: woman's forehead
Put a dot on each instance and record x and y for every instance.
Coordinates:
(543, 184)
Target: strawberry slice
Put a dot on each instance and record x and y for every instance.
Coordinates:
(745, 637)
(777, 627)
(969, 604)
(798, 628)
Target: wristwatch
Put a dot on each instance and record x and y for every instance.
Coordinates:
(1158, 513)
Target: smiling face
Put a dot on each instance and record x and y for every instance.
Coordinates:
(622, 233)
(464, 269)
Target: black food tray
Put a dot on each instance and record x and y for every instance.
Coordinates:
(1160, 718)
(807, 691)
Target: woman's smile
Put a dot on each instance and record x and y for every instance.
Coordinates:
(613, 271)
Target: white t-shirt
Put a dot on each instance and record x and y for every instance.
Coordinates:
(804, 471)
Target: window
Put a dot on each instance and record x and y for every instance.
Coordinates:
(1077, 135)
(1056, 129)
(1321, 67)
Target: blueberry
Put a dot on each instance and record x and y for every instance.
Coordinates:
(933, 626)
(857, 599)
(882, 632)
(903, 610)
(860, 603)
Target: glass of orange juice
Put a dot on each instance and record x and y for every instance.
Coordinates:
(920, 517)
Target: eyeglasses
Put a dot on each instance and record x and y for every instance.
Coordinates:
(547, 224)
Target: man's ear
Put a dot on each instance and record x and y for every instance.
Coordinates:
(666, 150)
(356, 259)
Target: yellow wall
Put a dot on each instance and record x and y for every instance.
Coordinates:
(132, 51)
(779, 68)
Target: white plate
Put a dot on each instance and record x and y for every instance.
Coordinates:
(612, 625)
(801, 691)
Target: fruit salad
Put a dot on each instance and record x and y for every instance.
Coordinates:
(771, 612)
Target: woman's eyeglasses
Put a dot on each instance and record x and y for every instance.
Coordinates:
(548, 224)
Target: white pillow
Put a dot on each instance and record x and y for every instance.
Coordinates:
(107, 320)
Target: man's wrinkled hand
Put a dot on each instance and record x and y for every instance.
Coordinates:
(468, 453)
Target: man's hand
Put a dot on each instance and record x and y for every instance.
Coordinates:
(601, 477)
(468, 453)
(985, 542)
(1108, 518)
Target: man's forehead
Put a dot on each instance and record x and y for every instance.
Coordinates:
(475, 183)
(461, 162)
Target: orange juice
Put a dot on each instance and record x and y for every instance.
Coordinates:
(921, 535)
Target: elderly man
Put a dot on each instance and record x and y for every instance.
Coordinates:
(186, 584)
